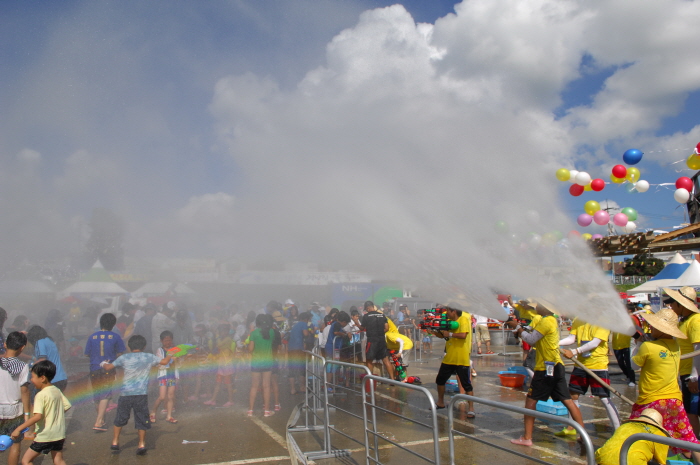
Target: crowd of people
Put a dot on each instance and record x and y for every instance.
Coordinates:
(125, 349)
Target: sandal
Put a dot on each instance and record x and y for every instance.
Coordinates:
(478, 351)
(278, 407)
(489, 353)
(114, 447)
(249, 413)
(171, 420)
(141, 451)
(269, 413)
(471, 414)
(152, 418)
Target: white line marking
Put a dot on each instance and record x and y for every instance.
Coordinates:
(259, 460)
(270, 432)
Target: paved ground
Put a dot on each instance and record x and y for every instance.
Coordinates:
(233, 438)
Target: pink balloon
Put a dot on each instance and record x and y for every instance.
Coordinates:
(601, 217)
(684, 182)
(620, 219)
(597, 236)
(584, 219)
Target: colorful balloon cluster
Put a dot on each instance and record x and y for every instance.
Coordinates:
(625, 219)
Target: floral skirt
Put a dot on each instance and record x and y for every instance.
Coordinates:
(675, 419)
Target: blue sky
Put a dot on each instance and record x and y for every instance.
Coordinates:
(192, 118)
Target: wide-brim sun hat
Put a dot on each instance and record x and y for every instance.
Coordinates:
(651, 416)
(665, 321)
(547, 306)
(685, 296)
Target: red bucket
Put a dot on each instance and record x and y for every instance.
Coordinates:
(514, 380)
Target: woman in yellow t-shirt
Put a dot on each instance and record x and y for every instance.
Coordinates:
(658, 382)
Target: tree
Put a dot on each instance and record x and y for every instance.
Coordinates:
(106, 240)
(643, 265)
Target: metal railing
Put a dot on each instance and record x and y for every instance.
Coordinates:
(315, 406)
(372, 452)
(587, 444)
(339, 388)
(677, 443)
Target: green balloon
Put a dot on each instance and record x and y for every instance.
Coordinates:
(630, 212)
(502, 227)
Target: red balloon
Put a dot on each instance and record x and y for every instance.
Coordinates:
(575, 190)
(684, 182)
(697, 148)
(619, 171)
(597, 185)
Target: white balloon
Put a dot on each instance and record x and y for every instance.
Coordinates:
(630, 227)
(583, 178)
(572, 175)
(642, 186)
(681, 195)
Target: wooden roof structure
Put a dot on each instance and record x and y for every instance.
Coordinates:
(635, 243)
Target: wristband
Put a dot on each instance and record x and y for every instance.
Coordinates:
(26, 414)
(449, 334)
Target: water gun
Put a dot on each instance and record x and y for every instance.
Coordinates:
(435, 320)
(181, 350)
(399, 366)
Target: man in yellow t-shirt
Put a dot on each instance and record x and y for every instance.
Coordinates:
(641, 452)
(683, 304)
(550, 377)
(592, 352)
(456, 359)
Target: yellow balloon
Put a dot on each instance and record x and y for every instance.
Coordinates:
(591, 207)
(563, 174)
(586, 236)
(632, 174)
(616, 180)
(693, 162)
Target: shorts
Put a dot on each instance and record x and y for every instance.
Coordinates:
(102, 382)
(139, 404)
(462, 371)
(426, 339)
(375, 351)
(580, 381)
(167, 382)
(482, 333)
(224, 379)
(261, 367)
(8, 425)
(688, 398)
(46, 447)
(675, 419)
(542, 387)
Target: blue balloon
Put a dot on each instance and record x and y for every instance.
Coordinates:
(632, 156)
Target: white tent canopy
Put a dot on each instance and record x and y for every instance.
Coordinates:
(690, 277)
(673, 270)
(96, 281)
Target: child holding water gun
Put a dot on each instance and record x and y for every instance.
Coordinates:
(168, 375)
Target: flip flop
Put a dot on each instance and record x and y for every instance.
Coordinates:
(471, 414)
(114, 447)
(152, 418)
(141, 451)
(171, 420)
(437, 407)
(100, 429)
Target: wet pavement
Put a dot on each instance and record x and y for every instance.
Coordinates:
(232, 438)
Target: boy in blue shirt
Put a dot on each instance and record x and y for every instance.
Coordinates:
(134, 393)
(101, 346)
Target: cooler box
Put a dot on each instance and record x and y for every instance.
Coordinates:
(551, 407)
(451, 386)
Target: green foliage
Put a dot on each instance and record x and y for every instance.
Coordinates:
(643, 265)
(106, 240)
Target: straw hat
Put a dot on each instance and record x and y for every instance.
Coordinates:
(665, 321)
(651, 417)
(686, 296)
(547, 306)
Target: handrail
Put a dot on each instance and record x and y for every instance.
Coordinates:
(374, 407)
(336, 388)
(587, 444)
(677, 443)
